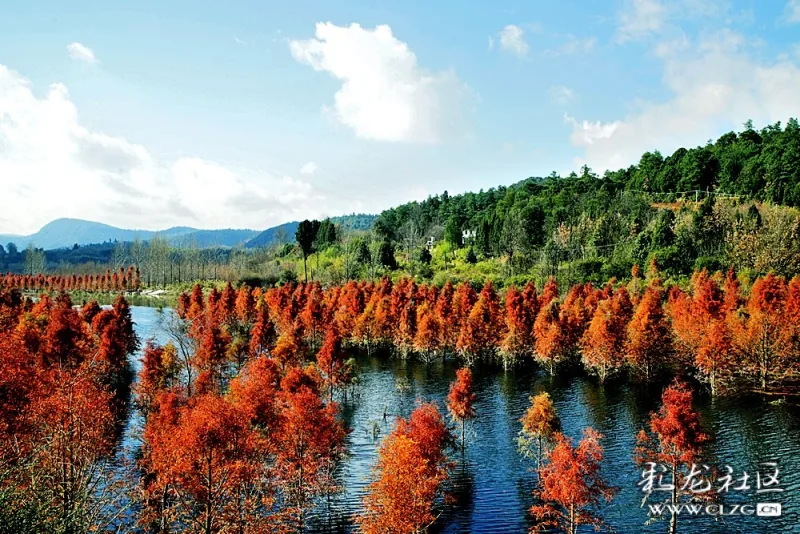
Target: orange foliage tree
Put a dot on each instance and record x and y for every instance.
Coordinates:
(208, 468)
(551, 338)
(408, 477)
(603, 343)
(58, 425)
(764, 336)
(308, 442)
(428, 336)
(701, 328)
(158, 372)
(519, 316)
(332, 361)
(540, 424)
(674, 443)
(648, 343)
(461, 399)
(71, 415)
(571, 486)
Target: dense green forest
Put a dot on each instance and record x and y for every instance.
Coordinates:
(710, 206)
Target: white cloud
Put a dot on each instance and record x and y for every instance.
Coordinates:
(385, 94)
(704, 8)
(643, 17)
(52, 166)
(575, 45)
(512, 39)
(585, 133)
(561, 94)
(792, 11)
(715, 85)
(80, 52)
(309, 168)
(647, 18)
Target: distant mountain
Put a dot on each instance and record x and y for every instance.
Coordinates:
(213, 238)
(284, 233)
(62, 233)
(65, 233)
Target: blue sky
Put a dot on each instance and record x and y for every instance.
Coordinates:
(248, 114)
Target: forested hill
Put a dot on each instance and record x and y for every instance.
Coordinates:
(761, 165)
(562, 216)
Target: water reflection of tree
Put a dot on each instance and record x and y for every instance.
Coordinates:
(641, 400)
(460, 500)
(603, 401)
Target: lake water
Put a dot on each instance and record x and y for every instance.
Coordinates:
(492, 482)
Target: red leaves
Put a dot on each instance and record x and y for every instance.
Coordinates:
(212, 354)
(571, 485)
(255, 391)
(18, 379)
(124, 280)
(402, 492)
(66, 337)
(262, 334)
(158, 368)
(221, 460)
(551, 339)
(765, 333)
(461, 399)
(408, 476)
(481, 328)
(308, 441)
(648, 344)
(429, 331)
(603, 343)
(520, 311)
(540, 424)
(332, 362)
(209, 466)
(72, 429)
(676, 438)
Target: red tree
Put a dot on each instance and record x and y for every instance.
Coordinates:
(332, 361)
(759, 334)
(603, 343)
(72, 431)
(648, 344)
(675, 442)
(571, 485)
(428, 334)
(461, 399)
(540, 424)
(402, 493)
(480, 330)
(309, 440)
(412, 465)
(211, 357)
(518, 339)
(209, 469)
(551, 339)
